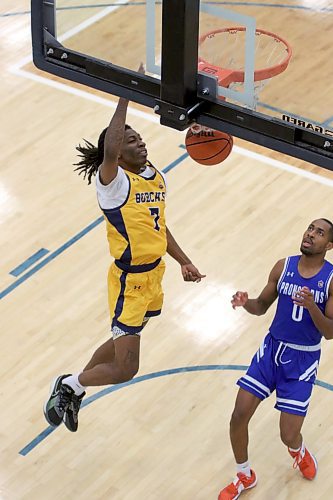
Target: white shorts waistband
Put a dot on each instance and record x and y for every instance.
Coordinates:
(308, 348)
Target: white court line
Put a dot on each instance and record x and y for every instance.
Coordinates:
(16, 69)
(283, 166)
(82, 93)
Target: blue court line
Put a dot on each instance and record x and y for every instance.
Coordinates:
(325, 385)
(244, 4)
(176, 162)
(52, 256)
(28, 262)
(70, 242)
(149, 376)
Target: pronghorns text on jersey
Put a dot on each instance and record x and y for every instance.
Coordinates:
(150, 197)
(291, 289)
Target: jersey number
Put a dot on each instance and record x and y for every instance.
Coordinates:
(155, 212)
(297, 313)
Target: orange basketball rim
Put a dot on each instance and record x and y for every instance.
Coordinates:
(273, 52)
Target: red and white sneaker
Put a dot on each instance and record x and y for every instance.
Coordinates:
(307, 463)
(239, 484)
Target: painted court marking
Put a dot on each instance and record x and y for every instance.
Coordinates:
(29, 262)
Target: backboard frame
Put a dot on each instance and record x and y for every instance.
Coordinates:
(178, 97)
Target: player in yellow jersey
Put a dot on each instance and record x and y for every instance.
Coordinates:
(131, 193)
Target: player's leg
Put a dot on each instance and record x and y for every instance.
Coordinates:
(134, 316)
(245, 406)
(122, 368)
(67, 391)
(140, 296)
(255, 385)
(116, 361)
(103, 354)
(290, 431)
(106, 352)
(297, 373)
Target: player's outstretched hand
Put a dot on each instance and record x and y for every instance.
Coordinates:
(304, 298)
(191, 273)
(239, 299)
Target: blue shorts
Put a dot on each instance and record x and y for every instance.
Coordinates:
(291, 371)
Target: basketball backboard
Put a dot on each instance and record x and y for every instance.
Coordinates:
(284, 101)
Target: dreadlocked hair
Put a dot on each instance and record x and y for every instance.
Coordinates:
(91, 156)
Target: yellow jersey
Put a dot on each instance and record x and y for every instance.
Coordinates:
(133, 207)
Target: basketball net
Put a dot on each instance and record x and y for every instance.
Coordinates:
(222, 54)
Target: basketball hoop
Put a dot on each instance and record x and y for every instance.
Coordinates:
(222, 54)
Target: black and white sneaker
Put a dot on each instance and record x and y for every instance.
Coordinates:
(71, 414)
(59, 399)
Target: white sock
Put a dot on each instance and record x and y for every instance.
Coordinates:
(73, 382)
(301, 449)
(244, 468)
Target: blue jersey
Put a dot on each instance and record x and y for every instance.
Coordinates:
(292, 323)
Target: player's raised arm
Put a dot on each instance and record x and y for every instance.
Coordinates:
(266, 298)
(112, 143)
(114, 139)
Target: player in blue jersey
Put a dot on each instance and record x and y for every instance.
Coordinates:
(288, 358)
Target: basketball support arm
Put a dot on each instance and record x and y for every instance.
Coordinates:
(182, 96)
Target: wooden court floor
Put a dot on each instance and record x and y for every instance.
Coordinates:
(164, 436)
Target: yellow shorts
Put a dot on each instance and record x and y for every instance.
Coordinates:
(134, 297)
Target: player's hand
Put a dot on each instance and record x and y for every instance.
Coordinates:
(191, 273)
(239, 299)
(304, 298)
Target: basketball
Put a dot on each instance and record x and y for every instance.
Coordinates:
(208, 146)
